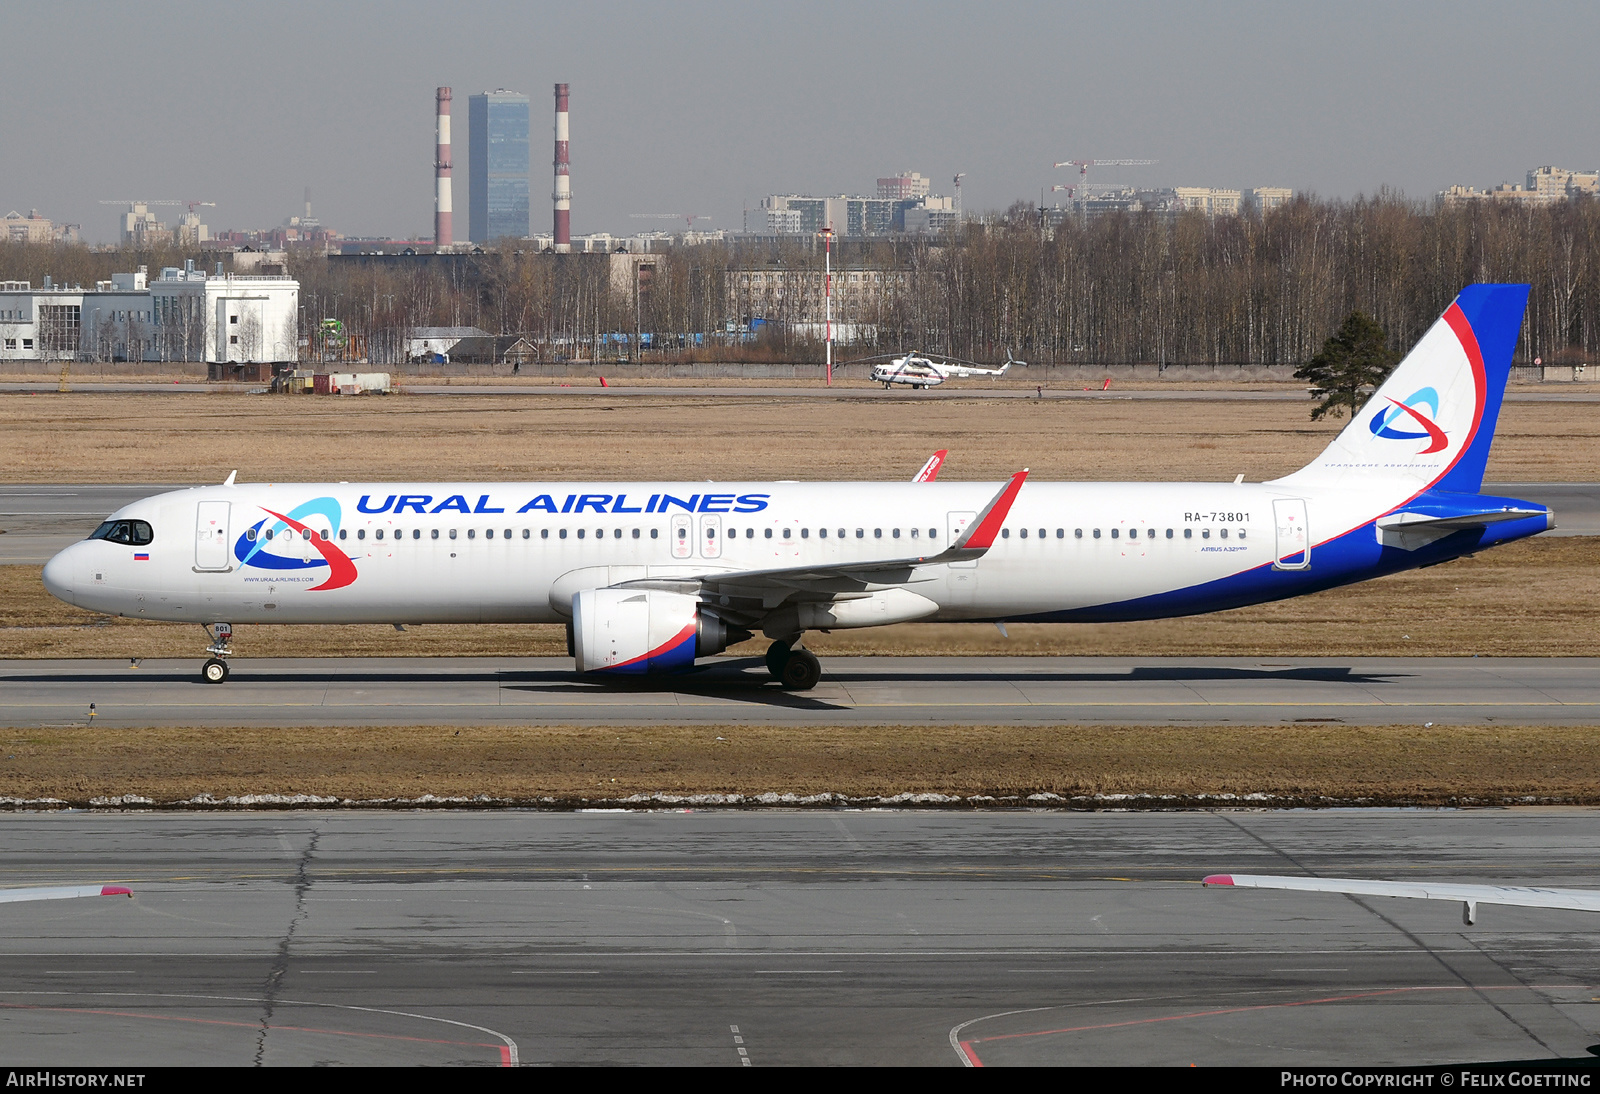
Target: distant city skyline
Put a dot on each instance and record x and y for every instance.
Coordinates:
(705, 108)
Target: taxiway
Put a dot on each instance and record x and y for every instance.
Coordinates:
(756, 938)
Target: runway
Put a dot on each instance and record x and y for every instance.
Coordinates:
(40, 519)
(767, 938)
(361, 691)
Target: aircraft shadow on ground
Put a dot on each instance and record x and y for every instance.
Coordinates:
(722, 677)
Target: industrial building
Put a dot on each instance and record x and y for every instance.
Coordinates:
(497, 138)
(184, 315)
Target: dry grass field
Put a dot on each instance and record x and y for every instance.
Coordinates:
(201, 437)
(564, 765)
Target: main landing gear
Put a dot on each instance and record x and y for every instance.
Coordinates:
(215, 671)
(795, 669)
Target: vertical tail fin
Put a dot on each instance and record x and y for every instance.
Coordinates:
(1431, 423)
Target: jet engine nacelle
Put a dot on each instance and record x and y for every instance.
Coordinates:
(644, 630)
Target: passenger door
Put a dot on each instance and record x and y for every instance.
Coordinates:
(211, 536)
(1293, 550)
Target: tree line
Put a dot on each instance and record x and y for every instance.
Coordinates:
(1252, 289)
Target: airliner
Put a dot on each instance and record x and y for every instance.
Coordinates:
(649, 576)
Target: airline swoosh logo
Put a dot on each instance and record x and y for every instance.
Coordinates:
(1383, 422)
(341, 570)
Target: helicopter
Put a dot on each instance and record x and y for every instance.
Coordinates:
(918, 370)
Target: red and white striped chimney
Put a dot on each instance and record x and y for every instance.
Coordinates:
(441, 172)
(563, 191)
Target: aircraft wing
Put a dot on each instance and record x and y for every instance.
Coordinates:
(1470, 896)
(61, 892)
(771, 588)
(930, 470)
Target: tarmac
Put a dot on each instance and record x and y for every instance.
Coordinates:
(799, 938)
(40, 519)
(374, 691)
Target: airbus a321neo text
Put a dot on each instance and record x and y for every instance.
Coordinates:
(649, 576)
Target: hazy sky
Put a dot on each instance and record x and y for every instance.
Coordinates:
(706, 107)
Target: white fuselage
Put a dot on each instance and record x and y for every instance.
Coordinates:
(517, 552)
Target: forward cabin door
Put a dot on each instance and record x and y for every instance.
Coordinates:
(1293, 550)
(211, 536)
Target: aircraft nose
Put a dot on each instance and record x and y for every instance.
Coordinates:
(60, 575)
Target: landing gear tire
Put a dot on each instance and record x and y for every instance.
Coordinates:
(801, 672)
(214, 671)
(777, 657)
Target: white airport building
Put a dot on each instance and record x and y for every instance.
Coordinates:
(184, 315)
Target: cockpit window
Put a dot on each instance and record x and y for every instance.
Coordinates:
(135, 533)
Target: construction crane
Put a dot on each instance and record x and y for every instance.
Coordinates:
(1084, 165)
(958, 179)
(687, 218)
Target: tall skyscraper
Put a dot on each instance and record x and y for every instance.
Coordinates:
(497, 202)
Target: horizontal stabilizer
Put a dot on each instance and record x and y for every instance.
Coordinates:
(1432, 516)
(1521, 896)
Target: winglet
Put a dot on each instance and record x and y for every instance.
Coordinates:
(1217, 879)
(229, 480)
(930, 470)
(980, 535)
(115, 890)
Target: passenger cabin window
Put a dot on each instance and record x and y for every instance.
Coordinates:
(544, 533)
(1077, 533)
(1115, 532)
(1188, 533)
(563, 533)
(378, 534)
(822, 533)
(433, 533)
(361, 533)
(654, 533)
(786, 533)
(769, 533)
(488, 533)
(1097, 533)
(1005, 533)
(1169, 533)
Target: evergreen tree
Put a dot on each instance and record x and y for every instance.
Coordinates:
(1357, 356)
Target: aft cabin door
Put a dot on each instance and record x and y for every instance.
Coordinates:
(211, 536)
(956, 523)
(1293, 550)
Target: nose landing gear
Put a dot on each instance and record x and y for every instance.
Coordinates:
(215, 671)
